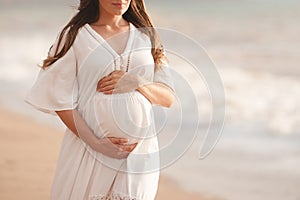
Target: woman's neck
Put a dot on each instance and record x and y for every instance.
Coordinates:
(112, 21)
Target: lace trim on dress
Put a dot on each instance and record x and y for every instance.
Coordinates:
(113, 196)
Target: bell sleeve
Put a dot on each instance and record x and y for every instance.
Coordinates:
(163, 75)
(56, 87)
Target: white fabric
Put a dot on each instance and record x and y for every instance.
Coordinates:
(71, 83)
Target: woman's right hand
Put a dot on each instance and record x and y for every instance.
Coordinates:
(110, 146)
(114, 147)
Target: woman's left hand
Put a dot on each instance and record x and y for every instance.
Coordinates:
(108, 83)
(118, 82)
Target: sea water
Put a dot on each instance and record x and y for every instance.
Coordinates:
(255, 46)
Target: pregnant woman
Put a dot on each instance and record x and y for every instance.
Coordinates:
(102, 75)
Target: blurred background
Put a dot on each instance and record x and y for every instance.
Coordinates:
(255, 47)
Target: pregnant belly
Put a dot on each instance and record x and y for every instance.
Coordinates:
(126, 115)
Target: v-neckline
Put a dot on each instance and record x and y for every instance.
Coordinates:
(104, 42)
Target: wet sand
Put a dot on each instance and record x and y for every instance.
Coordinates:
(29, 152)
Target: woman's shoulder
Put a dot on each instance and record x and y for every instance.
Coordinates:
(141, 37)
(82, 33)
(83, 38)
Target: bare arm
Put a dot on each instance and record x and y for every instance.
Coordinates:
(67, 116)
(156, 93)
(112, 147)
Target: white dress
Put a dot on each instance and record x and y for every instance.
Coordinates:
(70, 83)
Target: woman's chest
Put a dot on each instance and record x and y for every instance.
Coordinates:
(100, 62)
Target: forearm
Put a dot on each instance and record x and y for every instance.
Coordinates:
(158, 93)
(67, 117)
(121, 82)
(112, 147)
(73, 120)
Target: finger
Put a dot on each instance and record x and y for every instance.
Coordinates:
(111, 79)
(106, 83)
(112, 91)
(101, 81)
(133, 146)
(118, 140)
(104, 79)
(127, 147)
(117, 74)
(114, 75)
(107, 88)
(112, 72)
(116, 88)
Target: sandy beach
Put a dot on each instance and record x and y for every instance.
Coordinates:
(29, 152)
(254, 47)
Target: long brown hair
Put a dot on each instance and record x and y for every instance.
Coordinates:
(88, 12)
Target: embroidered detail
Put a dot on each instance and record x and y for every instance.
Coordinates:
(113, 196)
